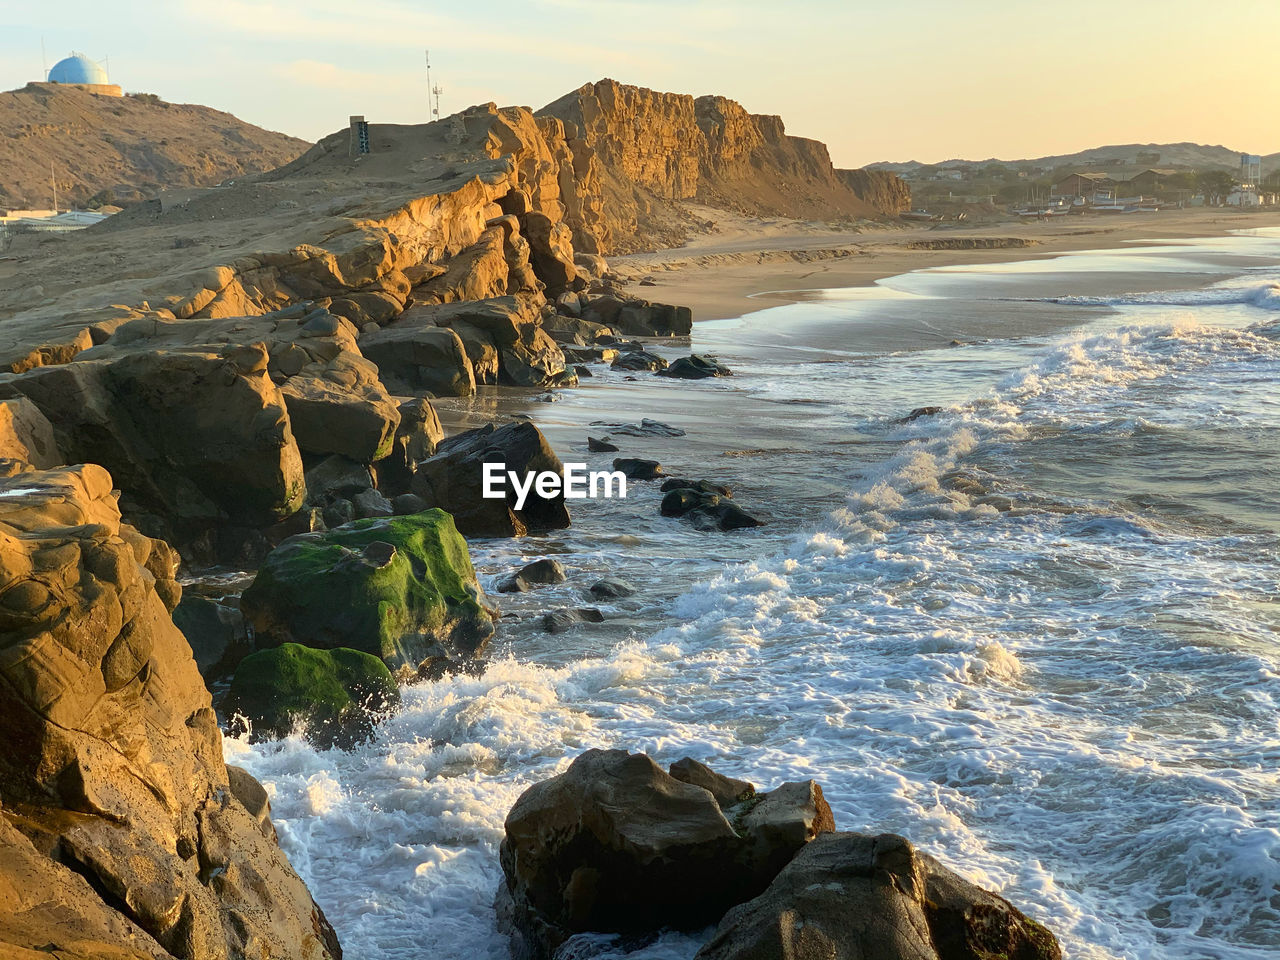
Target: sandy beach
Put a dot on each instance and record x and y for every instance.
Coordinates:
(749, 263)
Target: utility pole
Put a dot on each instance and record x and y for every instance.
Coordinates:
(437, 91)
(53, 182)
(44, 61)
(430, 117)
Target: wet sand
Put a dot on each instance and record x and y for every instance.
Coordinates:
(752, 263)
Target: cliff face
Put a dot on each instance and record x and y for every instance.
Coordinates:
(122, 832)
(884, 190)
(653, 148)
(131, 146)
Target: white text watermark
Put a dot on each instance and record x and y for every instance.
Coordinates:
(576, 483)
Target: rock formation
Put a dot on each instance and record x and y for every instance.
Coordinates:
(616, 844)
(650, 148)
(847, 896)
(123, 833)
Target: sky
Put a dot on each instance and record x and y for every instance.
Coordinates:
(924, 80)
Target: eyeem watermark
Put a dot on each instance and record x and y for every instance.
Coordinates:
(576, 484)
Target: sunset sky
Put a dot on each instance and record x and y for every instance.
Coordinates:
(908, 79)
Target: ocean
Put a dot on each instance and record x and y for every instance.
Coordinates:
(1036, 632)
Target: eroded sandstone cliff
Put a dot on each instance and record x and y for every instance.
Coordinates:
(650, 149)
(122, 832)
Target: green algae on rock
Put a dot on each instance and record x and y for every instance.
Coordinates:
(400, 588)
(336, 695)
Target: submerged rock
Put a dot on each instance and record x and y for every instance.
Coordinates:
(645, 428)
(399, 588)
(336, 695)
(558, 621)
(600, 446)
(616, 844)
(850, 896)
(919, 412)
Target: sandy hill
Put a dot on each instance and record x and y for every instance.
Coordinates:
(133, 146)
(654, 149)
(1196, 156)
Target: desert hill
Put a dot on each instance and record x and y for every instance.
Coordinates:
(653, 149)
(1196, 156)
(132, 146)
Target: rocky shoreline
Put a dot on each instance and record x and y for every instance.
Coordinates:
(275, 413)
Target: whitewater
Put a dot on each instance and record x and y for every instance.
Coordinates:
(1037, 632)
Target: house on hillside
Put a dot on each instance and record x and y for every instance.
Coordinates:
(1083, 184)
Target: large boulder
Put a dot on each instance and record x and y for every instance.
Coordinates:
(616, 844)
(399, 588)
(198, 442)
(341, 408)
(415, 356)
(453, 480)
(639, 318)
(505, 331)
(120, 835)
(334, 695)
(850, 896)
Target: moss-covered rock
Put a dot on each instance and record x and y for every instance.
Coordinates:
(400, 588)
(336, 694)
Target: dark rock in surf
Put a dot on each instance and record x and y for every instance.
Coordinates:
(600, 446)
(638, 360)
(701, 486)
(695, 367)
(540, 572)
(645, 428)
(919, 412)
(609, 589)
(616, 844)
(558, 621)
(706, 505)
(636, 469)
(849, 896)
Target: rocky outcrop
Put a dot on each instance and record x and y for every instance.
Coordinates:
(651, 148)
(847, 896)
(399, 588)
(616, 844)
(121, 833)
(885, 191)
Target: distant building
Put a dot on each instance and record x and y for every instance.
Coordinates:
(1150, 180)
(78, 70)
(1082, 185)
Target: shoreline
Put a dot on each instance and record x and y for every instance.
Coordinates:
(751, 264)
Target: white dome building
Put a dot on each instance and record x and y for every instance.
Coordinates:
(78, 70)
